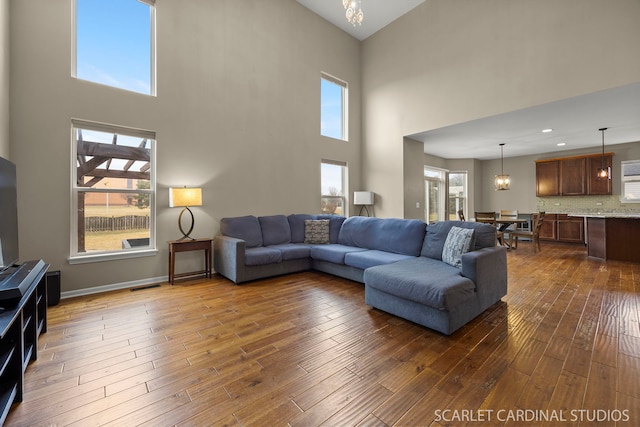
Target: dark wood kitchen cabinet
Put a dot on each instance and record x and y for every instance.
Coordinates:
(572, 176)
(562, 228)
(547, 178)
(570, 229)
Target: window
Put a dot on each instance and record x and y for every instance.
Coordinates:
(333, 182)
(115, 43)
(457, 194)
(434, 184)
(630, 181)
(113, 188)
(333, 108)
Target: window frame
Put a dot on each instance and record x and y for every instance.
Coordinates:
(344, 106)
(345, 185)
(76, 257)
(464, 197)
(152, 45)
(437, 176)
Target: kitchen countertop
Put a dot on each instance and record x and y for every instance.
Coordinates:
(604, 215)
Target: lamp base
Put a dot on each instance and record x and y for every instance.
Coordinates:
(365, 208)
(187, 234)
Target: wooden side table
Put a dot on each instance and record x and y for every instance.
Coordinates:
(189, 245)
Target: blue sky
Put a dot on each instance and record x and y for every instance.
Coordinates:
(331, 109)
(113, 43)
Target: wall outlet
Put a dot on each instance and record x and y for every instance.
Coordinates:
(417, 205)
(598, 203)
(557, 203)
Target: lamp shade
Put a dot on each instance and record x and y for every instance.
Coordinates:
(182, 197)
(363, 197)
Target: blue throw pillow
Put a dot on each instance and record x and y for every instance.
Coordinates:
(459, 241)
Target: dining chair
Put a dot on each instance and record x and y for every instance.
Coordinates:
(490, 218)
(461, 215)
(533, 234)
(508, 214)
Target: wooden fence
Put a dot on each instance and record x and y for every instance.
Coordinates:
(106, 223)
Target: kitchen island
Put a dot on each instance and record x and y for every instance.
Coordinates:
(613, 236)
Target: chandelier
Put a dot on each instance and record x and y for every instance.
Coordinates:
(354, 11)
(604, 172)
(502, 181)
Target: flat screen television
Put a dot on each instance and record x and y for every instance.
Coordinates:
(8, 215)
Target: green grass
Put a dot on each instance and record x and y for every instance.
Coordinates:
(111, 240)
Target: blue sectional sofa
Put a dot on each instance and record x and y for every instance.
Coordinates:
(440, 276)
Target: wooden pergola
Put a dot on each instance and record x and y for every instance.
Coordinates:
(92, 155)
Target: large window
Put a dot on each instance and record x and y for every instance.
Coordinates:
(115, 43)
(333, 108)
(333, 182)
(434, 184)
(457, 194)
(113, 190)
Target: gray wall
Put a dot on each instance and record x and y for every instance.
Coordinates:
(4, 79)
(451, 61)
(237, 112)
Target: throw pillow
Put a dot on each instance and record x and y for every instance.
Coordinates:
(459, 241)
(316, 231)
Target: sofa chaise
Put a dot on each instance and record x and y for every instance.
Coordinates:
(440, 276)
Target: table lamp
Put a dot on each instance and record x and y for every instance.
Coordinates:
(185, 197)
(363, 199)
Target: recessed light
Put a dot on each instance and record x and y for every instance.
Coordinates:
(547, 130)
(561, 144)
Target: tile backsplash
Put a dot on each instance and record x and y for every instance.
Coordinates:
(586, 204)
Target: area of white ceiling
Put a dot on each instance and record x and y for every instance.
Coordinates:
(575, 121)
(377, 14)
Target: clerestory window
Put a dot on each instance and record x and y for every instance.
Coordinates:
(115, 43)
(333, 108)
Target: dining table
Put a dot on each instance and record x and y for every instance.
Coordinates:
(502, 223)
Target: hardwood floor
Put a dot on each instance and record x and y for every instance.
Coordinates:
(305, 350)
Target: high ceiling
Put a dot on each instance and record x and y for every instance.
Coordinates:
(575, 121)
(377, 14)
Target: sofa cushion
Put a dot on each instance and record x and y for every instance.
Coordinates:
(401, 236)
(316, 231)
(296, 224)
(369, 258)
(437, 232)
(335, 224)
(332, 252)
(422, 280)
(262, 256)
(275, 230)
(293, 250)
(246, 228)
(458, 242)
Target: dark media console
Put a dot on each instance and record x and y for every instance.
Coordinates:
(22, 319)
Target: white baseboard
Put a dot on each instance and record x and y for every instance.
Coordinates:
(113, 287)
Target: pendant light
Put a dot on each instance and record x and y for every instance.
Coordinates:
(502, 181)
(604, 172)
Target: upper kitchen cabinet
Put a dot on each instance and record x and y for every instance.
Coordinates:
(572, 176)
(547, 178)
